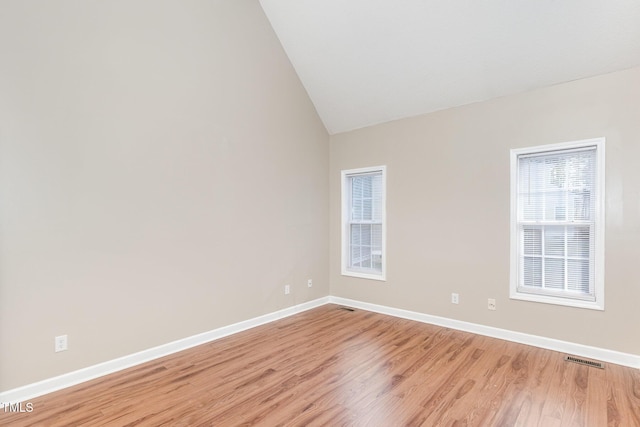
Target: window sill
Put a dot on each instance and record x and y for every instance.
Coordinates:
(548, 299)
(361, 275)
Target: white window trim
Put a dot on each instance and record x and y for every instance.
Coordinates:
(345, 221)
(514, 293)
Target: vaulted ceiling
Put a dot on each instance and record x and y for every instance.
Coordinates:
(365, 62)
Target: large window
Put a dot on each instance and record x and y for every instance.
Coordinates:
(363, 222)
(557, 224)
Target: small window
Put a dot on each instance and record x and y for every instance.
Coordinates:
(363, 222)
(557, 224)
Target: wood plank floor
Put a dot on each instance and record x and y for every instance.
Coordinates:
(330, 366)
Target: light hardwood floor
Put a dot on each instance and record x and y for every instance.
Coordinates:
(330, 366)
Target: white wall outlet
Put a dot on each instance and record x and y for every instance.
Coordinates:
(309, 283)
(60, 343)
(491, 305)
(287, 289)
(455, 298)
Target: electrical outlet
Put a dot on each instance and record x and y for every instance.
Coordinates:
(61, 343)
(287, 289)
(309, 283)
(455, 298)
(491, 305)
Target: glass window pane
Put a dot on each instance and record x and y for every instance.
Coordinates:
(578, 276)
(377, 263)
(532, 270)
(357, 187)
(555, 208)
(377, 198)
(356, 258)
(366, 185)
(554, 240)
(555, 172)
(580, 205)
(554, 273)
(531, 207)
(365, 235)
(580, 170)
(366, 256)
(356, 209)
(532, 240)
(376, 237)
(367, 209)
(578, 242)
(355, 234)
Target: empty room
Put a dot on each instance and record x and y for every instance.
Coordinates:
(319, 213)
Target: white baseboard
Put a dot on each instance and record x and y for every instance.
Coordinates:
(29, 391)
(611, 356)
(24, 393)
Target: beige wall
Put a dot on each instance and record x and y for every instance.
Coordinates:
(448, 207)
(162, 173)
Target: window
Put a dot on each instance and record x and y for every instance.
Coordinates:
(363, 222)
(557, 224)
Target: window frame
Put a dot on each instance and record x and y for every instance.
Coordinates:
(346, 269)
(550, 297)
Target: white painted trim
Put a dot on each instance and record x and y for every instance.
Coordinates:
(611, 356)
(30, 391)
(50, 385)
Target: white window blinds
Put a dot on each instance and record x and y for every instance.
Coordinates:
(556, 221)
(363, 222)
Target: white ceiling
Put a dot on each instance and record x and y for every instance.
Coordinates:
(370, 61)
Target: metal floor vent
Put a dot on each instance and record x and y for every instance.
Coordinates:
(346, 308)
(581, 361)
